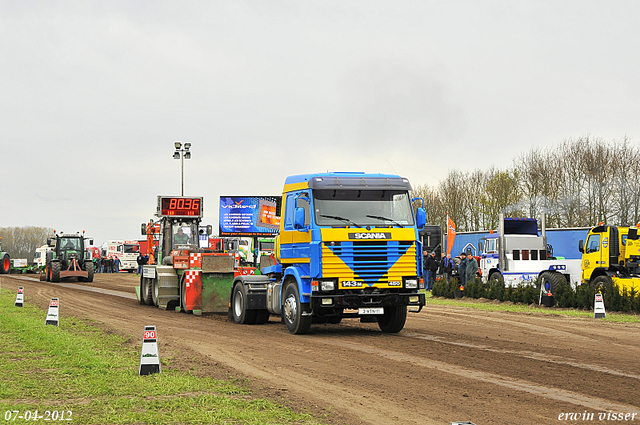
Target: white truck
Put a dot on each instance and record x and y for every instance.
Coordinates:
(126, 251)
(517, 254)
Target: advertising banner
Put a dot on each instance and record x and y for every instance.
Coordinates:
(249, 215)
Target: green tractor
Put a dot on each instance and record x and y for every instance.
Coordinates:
(69, 258)
(5, 261)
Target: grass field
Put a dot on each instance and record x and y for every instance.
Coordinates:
(528, 309)
(87, 376)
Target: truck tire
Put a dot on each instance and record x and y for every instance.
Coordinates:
(6, 264)
(88, 267)
(154, 291)
(55, 272)
(601, 284)
(552, 280)
(292, 310)
(239, 306)
(393, 319)
(495, 276)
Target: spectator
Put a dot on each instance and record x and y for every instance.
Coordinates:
(108, 268)
(98, 264)
(425, 274)
(116, 264)
(472, 267)
(140, 261)
(462, 269)
(432, 268)
(446, 265)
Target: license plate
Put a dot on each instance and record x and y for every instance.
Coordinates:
(377, 310)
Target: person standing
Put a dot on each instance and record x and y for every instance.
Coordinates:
(116, 263)
(462, 269)
(98, 264)
(140, 261)
(432, 268)
(472, 267)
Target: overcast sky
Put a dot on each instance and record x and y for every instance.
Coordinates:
(94, 93)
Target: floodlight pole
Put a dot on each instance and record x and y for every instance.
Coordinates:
(182, 153)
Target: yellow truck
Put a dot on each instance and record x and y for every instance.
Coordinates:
(612, 254)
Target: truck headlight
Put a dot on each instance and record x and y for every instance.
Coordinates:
(327, 285)
(411, 283)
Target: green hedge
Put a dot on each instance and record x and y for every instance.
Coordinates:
(565, 296)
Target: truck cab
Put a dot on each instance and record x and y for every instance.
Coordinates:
(348, 247)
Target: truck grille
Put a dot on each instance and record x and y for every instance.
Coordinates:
(370, 261)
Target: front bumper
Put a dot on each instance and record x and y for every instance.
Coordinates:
(354, 301)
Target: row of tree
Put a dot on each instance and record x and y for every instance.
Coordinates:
(21, 242)
(579, 183)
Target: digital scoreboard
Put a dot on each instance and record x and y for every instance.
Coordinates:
(179, 206)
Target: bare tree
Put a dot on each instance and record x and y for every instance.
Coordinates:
(21, 242)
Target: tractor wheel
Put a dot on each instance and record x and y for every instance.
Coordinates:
(183, 295)
(239, 306)
(55, 272)
(154, 291)
(143, 281)
(292, 310)
(88, 267)
(5, 264)
(393, 319)
(47, 271)
(146, 291)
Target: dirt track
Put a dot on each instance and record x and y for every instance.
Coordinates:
(448, 364)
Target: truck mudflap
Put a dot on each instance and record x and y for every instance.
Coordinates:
(355, 301)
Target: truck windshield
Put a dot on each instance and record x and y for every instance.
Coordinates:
(381, 208)
(131, 248)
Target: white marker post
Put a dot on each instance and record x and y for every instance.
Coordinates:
(598, 307)
(149, 357)
(20, 297)
(52, 314)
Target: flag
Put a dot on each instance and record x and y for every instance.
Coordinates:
(451, 234)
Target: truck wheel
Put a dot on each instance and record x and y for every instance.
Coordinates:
(55, 272)
(5, 265)
(292, 310)
(601, 284)
(551, 281)
(495, 277)
(239, 306)
(393, 319)
(154, 292)
(88, 267)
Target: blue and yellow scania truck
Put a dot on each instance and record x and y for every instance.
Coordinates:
(348, 248)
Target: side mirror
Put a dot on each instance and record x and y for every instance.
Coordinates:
(480, 247)
(143, 228)
(49, 242)
(91, 242)
(421, 217)
(581, 246)
(209, 229)
(298, 220)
